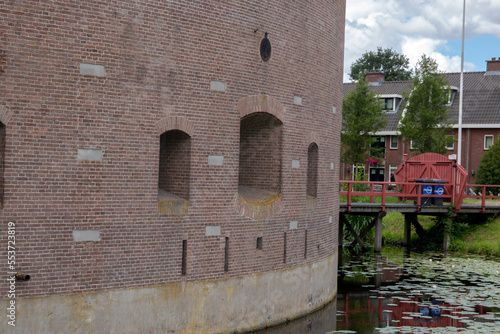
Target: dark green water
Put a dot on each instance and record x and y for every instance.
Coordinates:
(398, 292)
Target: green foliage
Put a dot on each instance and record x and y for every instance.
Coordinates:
(489, 168)
(358, 176)
(426, 120)
(395, 66)
(478, 236)
(358, 223)
(362, 116)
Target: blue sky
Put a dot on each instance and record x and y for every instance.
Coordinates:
(431, 27)
(477, 50)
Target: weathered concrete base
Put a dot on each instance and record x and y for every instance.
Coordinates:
(214, 306)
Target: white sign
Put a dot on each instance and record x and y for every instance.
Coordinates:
(427, 190)
(439, 190)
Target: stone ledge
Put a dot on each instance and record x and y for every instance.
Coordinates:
(257, 203)
(170, 204)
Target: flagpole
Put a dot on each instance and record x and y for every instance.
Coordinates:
(460, 107)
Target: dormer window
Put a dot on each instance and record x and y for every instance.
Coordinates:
(452, 91)
(391, 102)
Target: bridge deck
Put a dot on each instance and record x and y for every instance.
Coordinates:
(373, 208)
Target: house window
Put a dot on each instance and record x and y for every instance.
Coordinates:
(449, 142)
(394, 143)
(392, 170)
(388, 104)
(378, 147)
(452, 91)
(488, 141)
(413, 144)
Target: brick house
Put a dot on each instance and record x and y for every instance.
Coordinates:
(480, 120)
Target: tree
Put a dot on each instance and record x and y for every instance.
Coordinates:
(363, 116)
(425, 121)
(395, 66)
(489, 168)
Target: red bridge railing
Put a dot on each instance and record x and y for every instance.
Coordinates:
(378, 192)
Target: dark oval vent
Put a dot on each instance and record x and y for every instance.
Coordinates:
(265, 48)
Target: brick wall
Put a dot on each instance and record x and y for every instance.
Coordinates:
(156, 61)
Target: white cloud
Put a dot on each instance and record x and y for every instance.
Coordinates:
(416, 27)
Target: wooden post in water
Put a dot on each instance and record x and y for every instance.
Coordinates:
(407, 230)
(378, 232)
(340, 243)
(446, 241)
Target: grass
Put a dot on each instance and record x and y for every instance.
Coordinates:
(481, 239)
(469, 237)
(393, 231)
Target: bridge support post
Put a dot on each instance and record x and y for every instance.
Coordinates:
(446, 241)
(340, 243)
(407, 229)
(378, 231)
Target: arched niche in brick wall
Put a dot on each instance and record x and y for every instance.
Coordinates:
(312, 170)
(312, 176)
(174, 172)
(174, 164)
(260, 160)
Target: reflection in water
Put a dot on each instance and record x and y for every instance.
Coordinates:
(398, 293)
(322, 321)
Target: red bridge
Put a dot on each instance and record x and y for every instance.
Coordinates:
(427, 184)
(422, 184)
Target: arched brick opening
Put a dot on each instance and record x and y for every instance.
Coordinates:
(259, 178)
(259, 181)
(312, 170)
(261, 103)
(174, 172)
(260, 152)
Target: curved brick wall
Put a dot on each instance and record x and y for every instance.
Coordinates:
(86, 90)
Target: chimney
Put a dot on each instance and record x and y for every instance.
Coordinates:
(493, 65)
(375, 76)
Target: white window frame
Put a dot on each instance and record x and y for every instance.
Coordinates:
(412, 147)
(392, 169)
(390, 142)
(486, 148)
(452, 147)
(396, 98)
(452, 91)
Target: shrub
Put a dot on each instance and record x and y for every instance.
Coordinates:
(489, 169)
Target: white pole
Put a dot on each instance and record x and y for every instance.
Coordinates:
(459, 149)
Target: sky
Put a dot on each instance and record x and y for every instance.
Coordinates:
(430, 27)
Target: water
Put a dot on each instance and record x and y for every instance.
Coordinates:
(397, 292)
